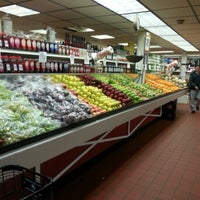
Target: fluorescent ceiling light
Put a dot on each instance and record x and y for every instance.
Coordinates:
(172, 38)
(123, 43)
(40, 31)
(102, 37)
(162, 51)
(87, 30)
(130, 9)
(127, 6)
(146, 19)
(18, 10)
(161, 30)
(155, 46)
(80, 29)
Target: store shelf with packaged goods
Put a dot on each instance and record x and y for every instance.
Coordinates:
(26, 61)
(37, 53)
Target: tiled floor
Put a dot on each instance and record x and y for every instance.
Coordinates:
(161, 162)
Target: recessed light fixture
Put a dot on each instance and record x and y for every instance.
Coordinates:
(80, 29)
(102, 37)
(128, 6)
(162, 52)
(40, 31)
(123, 43)
(87, 30)
(155, 46)
(18, 10)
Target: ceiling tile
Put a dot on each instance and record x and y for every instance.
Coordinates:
(195, 2)
(184, 27)
(187, 20)
(111, 19)
(85, 21)
(61, 24)
(94, 11)
(173, 12)
(197, 10)
(17, 1)
(74, 4)
(45, 18)
(160, 5)
(42, 6)
(66, 14)
(123, 25)
(4, 3)
(103, 28)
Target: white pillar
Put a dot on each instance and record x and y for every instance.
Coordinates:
(183, 67)
(140, 48)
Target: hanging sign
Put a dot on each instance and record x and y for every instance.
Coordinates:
(147, 42)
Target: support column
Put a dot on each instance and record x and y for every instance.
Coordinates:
(143, 50)
(140, 48)
(183, 68)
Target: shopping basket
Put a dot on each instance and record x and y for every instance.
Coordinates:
(19, 183)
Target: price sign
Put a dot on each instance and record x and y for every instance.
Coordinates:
(86, 61)
(72, 59)
(42, 57)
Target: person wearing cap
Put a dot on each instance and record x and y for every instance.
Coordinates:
(194, 88)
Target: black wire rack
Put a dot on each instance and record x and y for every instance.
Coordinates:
(19, 183)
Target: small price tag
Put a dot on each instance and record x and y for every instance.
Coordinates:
(42, 56)
(72, 59)
(86, 61)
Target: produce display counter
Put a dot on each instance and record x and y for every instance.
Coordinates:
(60, 153)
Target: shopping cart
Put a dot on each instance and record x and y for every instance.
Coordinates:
(19, 183)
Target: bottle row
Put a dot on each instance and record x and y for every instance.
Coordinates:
(14, 42)
(18, 64)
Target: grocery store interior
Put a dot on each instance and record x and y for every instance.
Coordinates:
(95, 101)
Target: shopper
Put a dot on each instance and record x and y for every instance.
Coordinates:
(194, 87)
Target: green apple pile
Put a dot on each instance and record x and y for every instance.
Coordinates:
(107, 89)
(137, 92)
(89, 94)
(95, 96)
(19, 119)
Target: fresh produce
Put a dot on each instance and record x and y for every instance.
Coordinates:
(161, 84)
(175, 79)
(32, 105)
(19, 119)
(107, 89)
(125, 83)
(92, 95)
(55, 101)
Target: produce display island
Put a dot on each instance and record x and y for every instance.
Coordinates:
(69, 148)
(58, 111)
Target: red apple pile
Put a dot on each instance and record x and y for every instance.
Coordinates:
(107, 89)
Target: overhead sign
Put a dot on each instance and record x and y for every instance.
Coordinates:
(147, 42)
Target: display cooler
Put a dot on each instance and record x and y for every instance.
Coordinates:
(62, 149)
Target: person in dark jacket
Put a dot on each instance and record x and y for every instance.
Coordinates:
(194, 87)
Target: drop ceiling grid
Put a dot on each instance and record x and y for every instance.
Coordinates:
(75, 3)
(170, 4)
(63, 13)
(41, 5)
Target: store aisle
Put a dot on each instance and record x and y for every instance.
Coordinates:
(161, 162)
